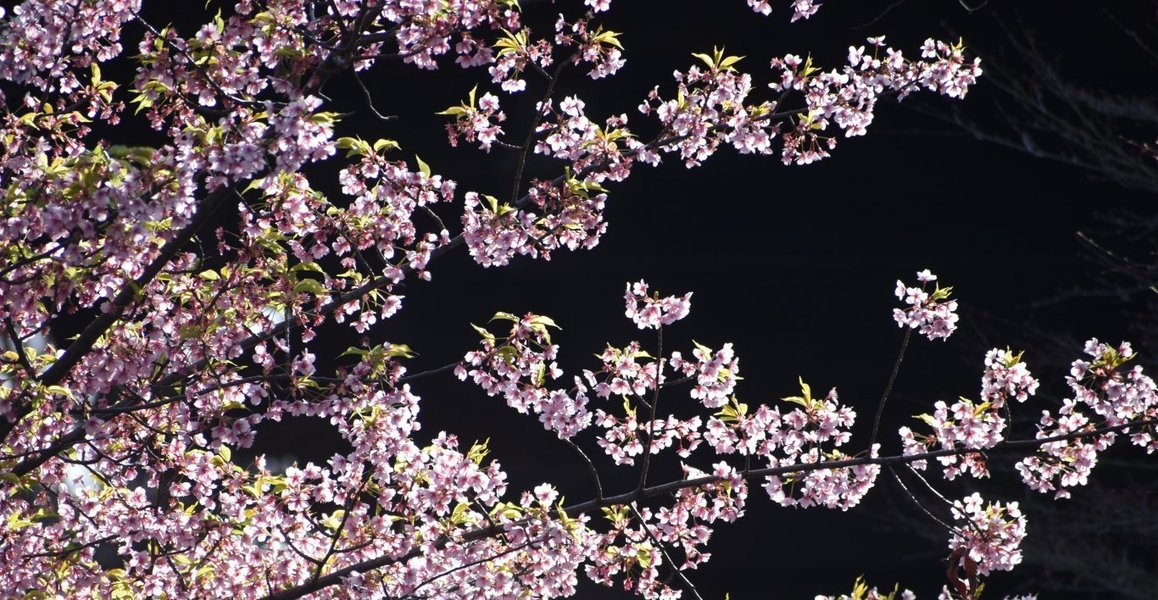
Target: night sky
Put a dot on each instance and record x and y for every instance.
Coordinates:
(794, 265)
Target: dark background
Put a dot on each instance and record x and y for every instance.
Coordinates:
(794, 265)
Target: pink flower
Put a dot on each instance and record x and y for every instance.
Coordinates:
(653, 312)
(932, 315)
(990, 534)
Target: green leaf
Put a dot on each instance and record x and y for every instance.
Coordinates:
(702, 348)
(506, 353)
(61, 390)
(541, 320)
(507, 510)
(461, 514)
(704, 57)
(488, 336)
(307, 266)
(643, 554)
(732, 411)
(422, 166)
(942, 293)
(396, 350)
(381, 145)
(730, 60)
(540, 375)
(806, 399)
(310, 286)
(325, 118)
(454, 111)
(478, 451)
(611, 38)
(354, 146)
(209, 275)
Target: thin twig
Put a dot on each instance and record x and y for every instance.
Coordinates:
(912, 497)
(590, 466)
(889, 387)
(473, 563)
(342, 524)
(370, 99)
(436, 371)
(880, 15)
(18, 348)
(526, 147)
(662, 548)
(652, 410)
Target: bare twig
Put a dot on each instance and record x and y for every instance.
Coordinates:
(652, 410)
(663, 548)
(889, 387)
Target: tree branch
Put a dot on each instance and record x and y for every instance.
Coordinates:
(476, 534)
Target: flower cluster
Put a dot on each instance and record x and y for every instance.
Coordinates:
(709, 109)
(623, 438)
(637, 542)
(801, 9)
(476, 120)
(424, 30)
(989, 534)
(1107, 395)
(862, 591)
(715, 373)
(572, 218)
(517, 366)
(634, 375)
(45, 42)
(963, 424)
(803, 436)
(847, 97)
(652, 311)
(933, 315)
(117, 447)
(966, 424)
(1006, 378)
(603, 153)
(594, 46)
(807, 434)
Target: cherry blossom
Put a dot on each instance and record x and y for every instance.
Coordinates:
(861, 590)
(990, 534)
(213, 262)
(652, 312)
(1106, 395)
(933, 314)
(969, 424)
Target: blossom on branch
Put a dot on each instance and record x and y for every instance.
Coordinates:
(969, 424)
(933, 315)
(213, 266)
(1106, 395)
(989, 534)
(653, 312)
